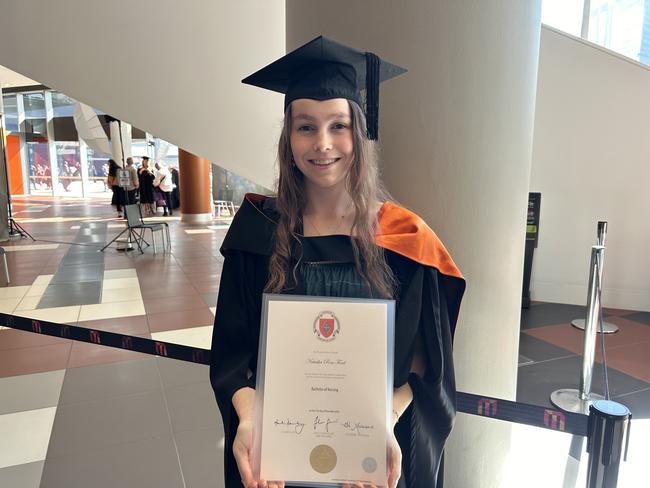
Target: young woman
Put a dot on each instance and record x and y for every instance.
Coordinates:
(332, 231)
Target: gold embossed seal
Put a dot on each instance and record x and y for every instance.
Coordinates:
(322, 459)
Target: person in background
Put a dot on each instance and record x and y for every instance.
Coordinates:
(118, 192)
(146, 177)
(163, 181)
(176, 192)
(134, 184)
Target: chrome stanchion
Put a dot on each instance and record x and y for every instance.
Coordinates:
(608, 327)
(570, 399)
(609, 426)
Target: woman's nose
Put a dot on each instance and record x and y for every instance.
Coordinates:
(323, 142)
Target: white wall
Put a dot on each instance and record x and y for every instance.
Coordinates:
(591, 161)
(170, 68)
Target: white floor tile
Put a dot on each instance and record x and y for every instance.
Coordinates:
(31, 247)
(43, 279)
(25, 436)
(120, 283)
(194, 336)
(62, 315)
(123, 295)
(29, 303)
(8, 305)
(13, 292)
(36, 291)
(101, 311)
(110, 274)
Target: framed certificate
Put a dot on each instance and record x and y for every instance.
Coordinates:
(324, 390)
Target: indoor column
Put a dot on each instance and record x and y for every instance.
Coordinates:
(456, 140)
(194, 174)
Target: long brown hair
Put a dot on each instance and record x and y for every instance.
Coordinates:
(362, 182)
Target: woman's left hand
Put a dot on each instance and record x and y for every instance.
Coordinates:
(393, 466)
(394, 461)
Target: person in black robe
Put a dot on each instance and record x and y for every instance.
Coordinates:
(428, 287)
(146, 177)
(176, 192)
(119, 194)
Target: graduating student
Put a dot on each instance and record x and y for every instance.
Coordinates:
(331, 230)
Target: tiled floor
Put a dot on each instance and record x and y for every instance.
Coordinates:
(78, 414)
(74, 414)
(550, 352)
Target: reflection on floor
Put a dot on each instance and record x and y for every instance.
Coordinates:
(81, 415)
(550, 356)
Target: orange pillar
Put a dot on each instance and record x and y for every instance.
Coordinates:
(194, 178)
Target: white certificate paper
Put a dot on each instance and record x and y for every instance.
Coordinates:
(324, 390)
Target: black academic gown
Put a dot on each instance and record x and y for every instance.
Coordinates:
(427, 305)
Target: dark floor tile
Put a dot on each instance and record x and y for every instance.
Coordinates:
(30, 392)
(135, 325)
(86, 354)
(85, 258)
(18, 339)
(176, 373)
(22, 475)
(192, 406)
(536, 382)
(641, 317)
(200, 453)
(210, 299)
(173, 304)
(150, 462)
(159, 322)
(638, 403)
(30, 360)
(65, 294)
(97, 382)
(539, 350)
(76, 274)
(542, 314)
(86, 426)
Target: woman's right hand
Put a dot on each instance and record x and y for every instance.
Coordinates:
(242, 449)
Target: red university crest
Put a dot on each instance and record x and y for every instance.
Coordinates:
(326, 326)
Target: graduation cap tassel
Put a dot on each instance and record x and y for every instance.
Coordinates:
(372, 95)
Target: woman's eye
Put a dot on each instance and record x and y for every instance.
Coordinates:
(340, 126)
(305, 128)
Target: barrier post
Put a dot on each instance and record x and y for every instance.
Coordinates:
(601, 237)
(569, 399)
(609, 427)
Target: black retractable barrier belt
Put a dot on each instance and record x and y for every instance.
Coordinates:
(110, 339)
(469, 403)
(522, 413)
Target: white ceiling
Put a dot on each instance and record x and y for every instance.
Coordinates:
(10, 78)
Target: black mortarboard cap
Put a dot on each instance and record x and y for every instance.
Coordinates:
(324, 69)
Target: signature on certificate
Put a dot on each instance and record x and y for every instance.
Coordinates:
(357, 427)
(323, 425)
(297, 425)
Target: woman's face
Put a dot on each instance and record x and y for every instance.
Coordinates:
(321, 140)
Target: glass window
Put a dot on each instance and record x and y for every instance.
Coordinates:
(565, 15)
(34, 105)
(68, 163)
(39, 170)
(97, 172)
(11, 113)
(62, 104)
(617, 25)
